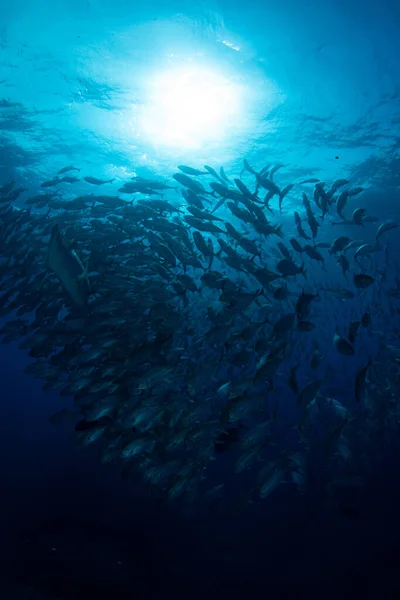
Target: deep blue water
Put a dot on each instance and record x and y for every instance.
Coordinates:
(314, 85)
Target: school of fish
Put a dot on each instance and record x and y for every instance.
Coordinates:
(205, 332)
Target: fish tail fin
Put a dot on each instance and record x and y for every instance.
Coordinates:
(85, 275)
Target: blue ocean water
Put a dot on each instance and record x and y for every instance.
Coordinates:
(122, 90)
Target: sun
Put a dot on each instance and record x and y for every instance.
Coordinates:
(188, 107)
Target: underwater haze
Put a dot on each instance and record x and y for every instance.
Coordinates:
(199, 299)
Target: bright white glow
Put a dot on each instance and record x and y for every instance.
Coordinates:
(230, 45)
(189, 107)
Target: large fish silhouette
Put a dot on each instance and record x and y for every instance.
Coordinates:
(69, 269)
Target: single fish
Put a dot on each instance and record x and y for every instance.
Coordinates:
(95, 181)
(190, 170)
(68, 268)
(67, 169)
